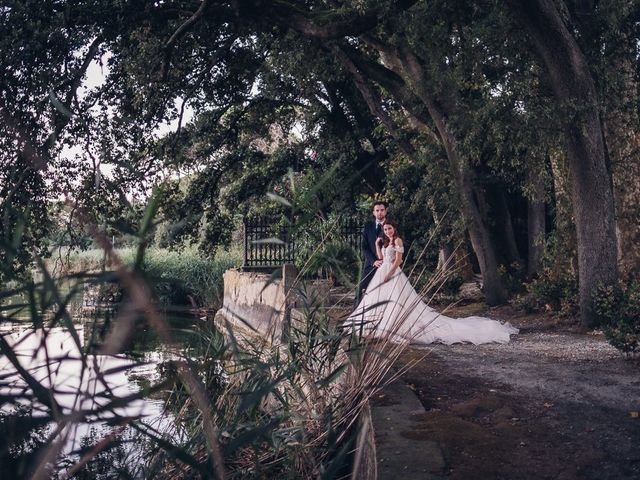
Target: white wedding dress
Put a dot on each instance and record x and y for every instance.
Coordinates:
(394, 308)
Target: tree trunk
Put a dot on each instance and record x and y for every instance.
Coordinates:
(591, 185)
(482, 244)
(565, 231)
(535, 222)
(505, 229)
(446, 252)
(479, 233)
(446, 259)
(621, 126)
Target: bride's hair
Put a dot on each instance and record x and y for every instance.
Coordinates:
(395, 232)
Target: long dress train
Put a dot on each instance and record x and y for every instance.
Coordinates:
(395, 308)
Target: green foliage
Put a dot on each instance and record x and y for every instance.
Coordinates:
(250, 94)
(24, 219)
(281, 410)
(618, 310)
(513, 277)
(320, 248)
(552, 290)
(176, 276)
(336, 260)
(555, 287)
(253, 102)
(420, 195)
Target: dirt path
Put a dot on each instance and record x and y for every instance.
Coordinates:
(554, 403)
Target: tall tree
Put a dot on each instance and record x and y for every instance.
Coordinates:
(591, 182)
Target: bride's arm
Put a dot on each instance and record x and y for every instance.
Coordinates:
(397, 261)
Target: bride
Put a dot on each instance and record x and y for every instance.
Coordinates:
(391, 306)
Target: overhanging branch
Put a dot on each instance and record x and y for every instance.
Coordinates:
(334, 25)
(178, 34)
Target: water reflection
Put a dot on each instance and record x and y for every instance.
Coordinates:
(54, 359)
(83, 384)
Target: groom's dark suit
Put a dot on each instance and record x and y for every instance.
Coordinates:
(369, 235)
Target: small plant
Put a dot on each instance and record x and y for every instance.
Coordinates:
(553, 290)
(555, 287)
(513, 276)
(618, 308)
(338, 261)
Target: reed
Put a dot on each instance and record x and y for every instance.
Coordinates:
(177, 277)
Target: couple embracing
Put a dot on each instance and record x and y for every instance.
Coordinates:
(388, 305)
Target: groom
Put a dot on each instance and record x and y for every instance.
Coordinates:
(370, 233)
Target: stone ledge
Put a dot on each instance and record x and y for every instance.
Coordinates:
(264, 302)
(402, 452)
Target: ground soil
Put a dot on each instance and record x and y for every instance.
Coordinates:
(555, 403)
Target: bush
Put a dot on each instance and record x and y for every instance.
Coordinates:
(512, 276)
(176, 275)
(553, 289)
(452, 283)
(338, 260)
(618, 309)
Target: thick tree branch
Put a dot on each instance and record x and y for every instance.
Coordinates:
(62, 119)
(178, 34)
(373, 101)
(393, 83)
(82, 70)
(334, 25)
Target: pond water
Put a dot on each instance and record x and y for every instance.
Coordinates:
(86, 383)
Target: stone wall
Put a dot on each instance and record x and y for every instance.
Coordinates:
(251, 299)
(254, 300)
(257, 306)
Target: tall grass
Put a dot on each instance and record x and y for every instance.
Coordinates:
(244, 407)
(187, 273)
(278, 406)
(177, 277)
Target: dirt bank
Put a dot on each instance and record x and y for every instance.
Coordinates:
(554, 403)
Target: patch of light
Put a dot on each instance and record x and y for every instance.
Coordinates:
(165, 128)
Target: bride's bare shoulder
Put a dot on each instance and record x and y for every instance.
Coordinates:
(398, 242)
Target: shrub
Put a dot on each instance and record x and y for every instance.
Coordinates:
(176, 276)
(553, 289)
(618, 309)
(512, 276)
(452, 283)
(338, 260)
